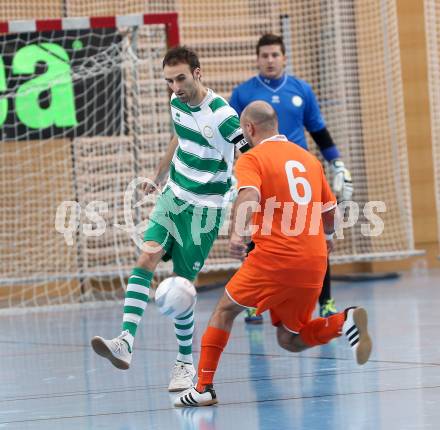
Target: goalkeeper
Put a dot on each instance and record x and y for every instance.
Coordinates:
(297, 109)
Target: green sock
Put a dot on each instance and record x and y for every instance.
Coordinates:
(136, 299)
(184, 329)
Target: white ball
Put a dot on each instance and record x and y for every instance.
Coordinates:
(175, 296)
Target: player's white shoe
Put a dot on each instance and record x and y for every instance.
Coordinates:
(116, 350)
(192, 397)
(356, 331)
(182, 376)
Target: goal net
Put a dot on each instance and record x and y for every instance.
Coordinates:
(349, 52)
(432, 23)
(84, 111)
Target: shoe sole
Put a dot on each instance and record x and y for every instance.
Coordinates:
(206, 403)
(365, 345)
(101, 349)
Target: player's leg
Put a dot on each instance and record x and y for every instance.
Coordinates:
(353, 323)
(157, 241)
(183, 371)
(355, 329)
(138, 288)
(250, 314)
(214, 341)
(326, 302)
(198, 228)
(316, 332)
(242, 291)
(119, 350)
(297, 331)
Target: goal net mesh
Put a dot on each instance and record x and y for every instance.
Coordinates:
(432, 23)
(86, 111)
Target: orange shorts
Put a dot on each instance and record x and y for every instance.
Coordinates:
(291, 303)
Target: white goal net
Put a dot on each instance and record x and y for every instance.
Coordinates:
(432, 23)
(83, 114)
(85, 111)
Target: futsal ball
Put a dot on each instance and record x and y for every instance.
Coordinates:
(175, 296)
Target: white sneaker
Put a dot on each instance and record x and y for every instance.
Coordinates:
(192, 397)
(116, 350)
(356, 331)
(182, 376)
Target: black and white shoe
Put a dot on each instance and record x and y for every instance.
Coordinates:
(356, 330)
(192, 397)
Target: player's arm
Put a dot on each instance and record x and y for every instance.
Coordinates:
(231, 130)
(330, 221)
(239, 141)
(329, 213)
(342, 183)
(326, 145)
(162, 169)
(244, 207)
(249, 182)
(315, 125)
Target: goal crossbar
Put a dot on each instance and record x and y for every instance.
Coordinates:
(169, 19)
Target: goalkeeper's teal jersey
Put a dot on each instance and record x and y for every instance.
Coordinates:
(201, 168)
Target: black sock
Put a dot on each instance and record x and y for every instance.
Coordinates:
(325, 292)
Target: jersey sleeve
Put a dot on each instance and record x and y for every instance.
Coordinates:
(230, 129)
(313, 120)
(328, 199)
(248, 173)
(235, 101)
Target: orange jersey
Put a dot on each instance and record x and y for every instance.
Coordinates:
(293, 194)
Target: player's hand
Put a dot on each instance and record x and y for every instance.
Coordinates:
(342, 183)
(150, 186)
(330, 245)
(237, 247)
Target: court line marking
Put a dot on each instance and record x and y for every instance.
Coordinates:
(355, 393)
(219, 382)
(257, 354)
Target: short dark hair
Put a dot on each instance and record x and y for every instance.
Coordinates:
(271, 39)
(181, 55)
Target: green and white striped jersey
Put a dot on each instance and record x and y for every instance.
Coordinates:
(201, 168)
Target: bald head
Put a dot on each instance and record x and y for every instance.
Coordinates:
(259, 121)
(262, 115)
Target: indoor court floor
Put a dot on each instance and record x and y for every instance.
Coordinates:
(51, 379)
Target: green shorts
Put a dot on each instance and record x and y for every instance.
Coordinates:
(185, 232)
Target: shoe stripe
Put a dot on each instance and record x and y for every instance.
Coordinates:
(182, 399)
(353, 327)
(354, 341)
(192, 398)
(353, 335)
